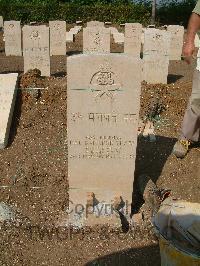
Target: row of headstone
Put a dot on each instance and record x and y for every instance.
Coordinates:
(176, 38)
(157, 49)
(102, 108)
(101, 37)
(102, 129)
(58, 41)
(13, 37)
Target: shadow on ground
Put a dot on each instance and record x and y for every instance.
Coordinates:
(173, 78)
(16, 117)
(150, 160)
(142, 256)
(70, 53)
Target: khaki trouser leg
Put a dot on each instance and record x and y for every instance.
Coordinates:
(191, 122)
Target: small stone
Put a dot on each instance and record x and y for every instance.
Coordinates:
(6, 212)
(137, 218)
(117, 202)
(90, 198)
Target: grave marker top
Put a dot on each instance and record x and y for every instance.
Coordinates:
(177, 34)
(95, 24)
(36, 48)
(13, 42)
(156, 42)
(57, 37)
(176, 29)
(96, 40)
(156, 55)
(132, 42)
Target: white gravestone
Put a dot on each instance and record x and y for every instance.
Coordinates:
(103, 107)
(76, 29)
(69, 36)
(73, 31)
(132, 42)
(57, 37)
(96, 40)
(177, 34)
(156, 55)
(13, 38)
(117, 36)
(36, 49)
(8, 91)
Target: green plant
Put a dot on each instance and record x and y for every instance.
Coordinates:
(116, 11)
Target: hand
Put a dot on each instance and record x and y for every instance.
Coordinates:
(188, 50)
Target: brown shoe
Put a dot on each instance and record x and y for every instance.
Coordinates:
(181, 148)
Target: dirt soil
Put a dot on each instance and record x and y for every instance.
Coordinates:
(33, 170)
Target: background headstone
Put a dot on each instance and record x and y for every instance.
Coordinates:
(117, 36)
(8, 90)
(13, 39)
(73, 31)
(57, 37)
(95, 24)
(132, 42)
(96, 40)
(69, 36)
(76, 29)
(36, 49)
(156, 55)
(177, 34)
(103, 106)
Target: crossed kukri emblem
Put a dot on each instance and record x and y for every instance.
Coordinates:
(104, 82)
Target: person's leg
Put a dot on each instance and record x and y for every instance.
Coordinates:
(191, 122)
(190, 131)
